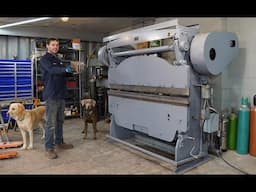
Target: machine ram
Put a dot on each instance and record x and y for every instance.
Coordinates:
(160, 94)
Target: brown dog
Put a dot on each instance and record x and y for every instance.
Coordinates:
(89, 115)
(27, 121)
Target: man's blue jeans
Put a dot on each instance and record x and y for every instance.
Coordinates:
(54, 122)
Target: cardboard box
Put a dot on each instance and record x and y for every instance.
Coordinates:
(76, 43)
(142, 45)
(75, 66)
(76, 46)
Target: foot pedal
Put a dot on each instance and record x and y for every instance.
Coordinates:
(13, 144)
(8, 154)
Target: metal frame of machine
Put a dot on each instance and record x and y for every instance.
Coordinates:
(159, 97)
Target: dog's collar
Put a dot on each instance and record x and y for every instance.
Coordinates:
(22, 118)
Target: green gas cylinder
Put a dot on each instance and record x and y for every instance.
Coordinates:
(243, 127)
(232, 131)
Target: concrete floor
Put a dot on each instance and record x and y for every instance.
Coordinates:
(104, 157)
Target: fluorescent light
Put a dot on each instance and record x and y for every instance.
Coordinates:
(24, 22)
(65, 19)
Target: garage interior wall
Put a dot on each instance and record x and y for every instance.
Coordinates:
(15, 47)
(239, 78)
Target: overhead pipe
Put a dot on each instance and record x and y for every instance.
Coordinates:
(144, 51)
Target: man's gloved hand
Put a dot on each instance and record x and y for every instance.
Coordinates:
(69, 69)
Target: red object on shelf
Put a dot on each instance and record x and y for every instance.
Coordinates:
(71, 84)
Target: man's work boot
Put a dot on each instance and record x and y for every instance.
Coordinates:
(51, 154)
(64, 146)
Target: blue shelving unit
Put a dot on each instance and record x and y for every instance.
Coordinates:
(16, 81)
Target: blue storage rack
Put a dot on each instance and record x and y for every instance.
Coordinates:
(16, 82)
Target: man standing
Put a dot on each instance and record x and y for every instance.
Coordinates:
(54, 81)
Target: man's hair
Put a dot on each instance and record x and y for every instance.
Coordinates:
(48, 41)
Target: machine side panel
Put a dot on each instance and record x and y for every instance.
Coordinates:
(154, 119)
(150, 71)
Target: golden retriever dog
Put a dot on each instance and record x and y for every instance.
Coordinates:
(27, 121)
(89, 115)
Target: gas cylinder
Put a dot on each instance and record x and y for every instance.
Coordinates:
(92, 88)
(243, 127)
(223, 133)
(232, 131)
(252, 144)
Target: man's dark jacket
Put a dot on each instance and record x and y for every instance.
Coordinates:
(53, 77)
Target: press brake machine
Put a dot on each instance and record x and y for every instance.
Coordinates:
(160, 96)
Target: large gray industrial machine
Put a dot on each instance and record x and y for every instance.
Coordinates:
(160, 95)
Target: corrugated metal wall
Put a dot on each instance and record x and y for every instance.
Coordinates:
(15, 47)
(21, 47)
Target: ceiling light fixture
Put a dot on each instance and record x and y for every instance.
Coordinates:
(24, 22)
(65, 19)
